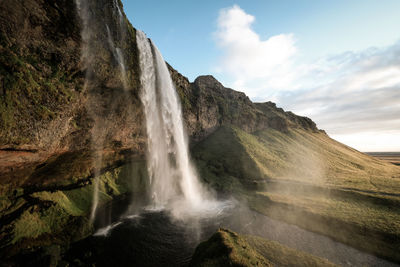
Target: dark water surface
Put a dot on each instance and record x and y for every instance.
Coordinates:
(152, 238)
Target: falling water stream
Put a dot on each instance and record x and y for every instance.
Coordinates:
(120, 16)
(119, 57)
(89, 36)
(173, 179)
(87, 58)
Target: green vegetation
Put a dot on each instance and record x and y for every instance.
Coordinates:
(58, 213)
(306, 178)
(284, 256)
(226, 248)
(361, 212)
(297, 156)
(224, 163)
(32, 225)
(314, 158)
(62, 207)
(29, 94)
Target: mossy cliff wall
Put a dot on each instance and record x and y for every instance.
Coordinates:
(53, 111)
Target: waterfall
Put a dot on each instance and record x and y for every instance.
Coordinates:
(90, 39)
(119, 57)
(174, 184)
(121, 19)
(117, 52)
(87, 57)
(173, 179)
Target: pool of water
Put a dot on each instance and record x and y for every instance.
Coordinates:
(145, 237)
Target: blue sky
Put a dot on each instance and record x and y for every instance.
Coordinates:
(183, 30)
(319, 55)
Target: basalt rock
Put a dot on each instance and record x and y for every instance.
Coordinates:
(207, 105)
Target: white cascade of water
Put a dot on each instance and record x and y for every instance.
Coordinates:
(89, 40)
(86, 34)
(118, 55)
(87, 57)
(121, 18)
(173, 179)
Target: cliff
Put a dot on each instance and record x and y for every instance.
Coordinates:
(58, 113)
(55, 111)
(47, 109)
(207, 105)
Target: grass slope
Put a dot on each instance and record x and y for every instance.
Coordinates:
(308, 179)
(226, 248)
(281, 255)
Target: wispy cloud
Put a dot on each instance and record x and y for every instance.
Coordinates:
(363, 94)
(349, 94)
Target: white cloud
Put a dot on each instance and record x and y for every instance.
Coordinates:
(357, 92)
(355, 96)
(247, 58)
(360, 106)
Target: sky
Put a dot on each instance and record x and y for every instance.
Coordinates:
(337, 62)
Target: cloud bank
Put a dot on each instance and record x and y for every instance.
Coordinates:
(354, 96)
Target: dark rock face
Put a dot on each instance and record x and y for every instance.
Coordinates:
(44, 104)
(207, 105)
(38, 65)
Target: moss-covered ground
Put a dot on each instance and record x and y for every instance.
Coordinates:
(226, 248)
(57, 213)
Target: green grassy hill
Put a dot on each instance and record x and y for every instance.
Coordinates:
(306, 178)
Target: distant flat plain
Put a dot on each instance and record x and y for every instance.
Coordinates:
(392, 157)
